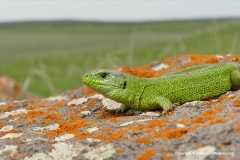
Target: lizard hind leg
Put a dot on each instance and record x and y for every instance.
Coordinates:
(235, 79)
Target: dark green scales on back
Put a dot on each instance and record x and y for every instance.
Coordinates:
(195, 83)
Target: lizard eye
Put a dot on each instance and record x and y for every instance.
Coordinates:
(103, 75)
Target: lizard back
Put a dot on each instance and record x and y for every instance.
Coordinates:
(182, 87)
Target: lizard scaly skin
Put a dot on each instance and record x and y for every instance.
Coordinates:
(195, 83)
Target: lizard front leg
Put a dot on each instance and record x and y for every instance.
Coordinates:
(164, 103)
(157, 102)
(123, 108)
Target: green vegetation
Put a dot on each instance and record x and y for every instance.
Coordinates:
(48, 58)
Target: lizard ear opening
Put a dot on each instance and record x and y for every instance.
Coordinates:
(124, 84)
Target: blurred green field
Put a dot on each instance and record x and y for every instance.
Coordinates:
(49, 57)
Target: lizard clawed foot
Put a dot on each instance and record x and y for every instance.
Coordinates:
(164, 112)
(122, 109)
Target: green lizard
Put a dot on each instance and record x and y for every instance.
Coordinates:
(195, 83)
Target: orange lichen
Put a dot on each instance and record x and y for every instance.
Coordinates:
(79, 110)
(148, 154)
(35, 113)
(32, 116)
(236, 103)
(157, 123)
(11, 131)
(2, 125)
(144, 140)
(119, 151)
(148, 130)
(71, 127)
(68, 128)
(91, 103)
(64, 126)
(200, 146)
(50, 118)
(7, 108)
(210, 114)
(88, 91)
(237, 129)
(56, 105)
(113, 118)
(100, 136)
(166, 155)
(142, 71)
(106, 129)
(36, 104)
(217, 120)
(136, 130)
(116, 135)
(235, 58)
(173, 133)
(196, 59)
(225, 98)
(205, 59)
(199, 120)
(207, 117)
(102, 112)
(81, 135)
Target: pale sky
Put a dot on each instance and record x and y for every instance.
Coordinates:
(116, 10)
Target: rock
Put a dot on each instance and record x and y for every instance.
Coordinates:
(69, 126)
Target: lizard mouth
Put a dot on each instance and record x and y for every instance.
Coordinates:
(94, 84)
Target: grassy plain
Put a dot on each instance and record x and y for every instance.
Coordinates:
(49, 57)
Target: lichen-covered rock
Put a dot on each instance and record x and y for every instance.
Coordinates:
(76, 126)
(9, 89)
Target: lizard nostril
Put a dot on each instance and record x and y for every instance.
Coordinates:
(84, 77)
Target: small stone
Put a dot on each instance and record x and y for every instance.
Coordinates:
(83, 114)
(192, 103)
(77, 101)
(64, 137)
(97, 96)
(180, 125)
(11, 135)
(6, 128)
(126, 123)
(2, 103)
(219, 57)
(91, 140)
(57, 98)
(12, 113)
(11, 149)
(231, 95)
(144, 120)
(94, 129)
(160, 67)
(110, 104)
(151, 114)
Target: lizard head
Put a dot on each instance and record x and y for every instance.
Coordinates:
(108, 82)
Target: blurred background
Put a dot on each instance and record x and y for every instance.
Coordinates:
(46, 46)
